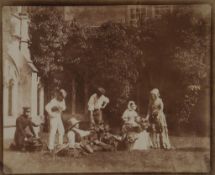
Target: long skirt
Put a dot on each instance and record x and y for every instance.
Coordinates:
(143, 141)
(159, 133)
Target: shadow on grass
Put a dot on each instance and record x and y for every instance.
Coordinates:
(193, 149)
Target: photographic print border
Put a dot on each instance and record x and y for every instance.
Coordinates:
(124, 2)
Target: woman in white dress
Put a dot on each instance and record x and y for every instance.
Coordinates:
(157, 118)
(133, 129)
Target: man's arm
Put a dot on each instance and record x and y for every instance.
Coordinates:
(105, 102)
(31, 128)
(49, 107)
(34, 124)
(91, 104)
(91, 117)
(63, 106)
(91, 107)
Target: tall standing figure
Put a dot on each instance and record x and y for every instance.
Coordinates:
(156, 116)
(97, 102)
(54, 109)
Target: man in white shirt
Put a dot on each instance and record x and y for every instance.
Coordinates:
(96, 103)
(55, 108)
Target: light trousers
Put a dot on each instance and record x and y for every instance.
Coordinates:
(56, 124)
(71, 138)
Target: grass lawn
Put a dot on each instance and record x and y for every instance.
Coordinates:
(191, 154)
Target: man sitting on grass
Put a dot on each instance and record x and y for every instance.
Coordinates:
(24, 130)
(73, 132)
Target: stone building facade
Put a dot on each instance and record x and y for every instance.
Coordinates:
(21, 83)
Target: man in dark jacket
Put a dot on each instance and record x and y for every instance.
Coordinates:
(24, 129)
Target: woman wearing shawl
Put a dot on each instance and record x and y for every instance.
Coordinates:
(157, 119)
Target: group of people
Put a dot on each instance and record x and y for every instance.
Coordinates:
(138, 132)
(150, 131)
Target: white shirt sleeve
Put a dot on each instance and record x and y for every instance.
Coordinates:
(91, 102)
(125, 116)
(63, 105)
(106, 100)
(103, 101)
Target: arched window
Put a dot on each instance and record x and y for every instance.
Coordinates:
(10, 97)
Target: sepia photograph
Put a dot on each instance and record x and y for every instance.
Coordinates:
(107, 88)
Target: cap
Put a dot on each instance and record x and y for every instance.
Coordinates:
(26, 109)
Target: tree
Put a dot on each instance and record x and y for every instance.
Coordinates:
(47, 39)
(176, 48)
(169, 53)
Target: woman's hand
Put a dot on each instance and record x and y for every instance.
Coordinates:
(138, 119)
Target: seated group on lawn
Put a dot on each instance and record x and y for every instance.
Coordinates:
(138, 132)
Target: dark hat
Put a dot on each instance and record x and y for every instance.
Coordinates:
(26, 109)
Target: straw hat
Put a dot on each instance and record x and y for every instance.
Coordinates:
(73, 122)
(101, 90)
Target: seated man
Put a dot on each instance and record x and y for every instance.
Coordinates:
(24, 130)
(73, 132)
(87, 140)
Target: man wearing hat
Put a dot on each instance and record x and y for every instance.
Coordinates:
(73, 130)
(97, 102)
(54, 109)
(24, 129)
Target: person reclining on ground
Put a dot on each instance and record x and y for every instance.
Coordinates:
(74, 134)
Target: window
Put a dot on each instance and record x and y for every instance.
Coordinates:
(10, 97)
(143, 12)
(161, 10)
(150, 11)
(132, 13)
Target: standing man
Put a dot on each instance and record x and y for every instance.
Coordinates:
(24, 129)
(97, 102)
(54, 109)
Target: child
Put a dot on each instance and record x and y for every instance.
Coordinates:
(159, 131)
